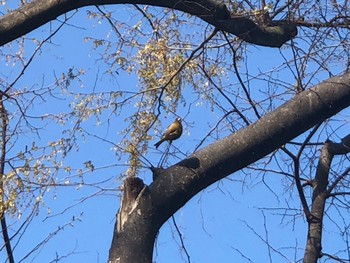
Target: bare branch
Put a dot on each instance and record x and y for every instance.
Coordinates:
(181, 240)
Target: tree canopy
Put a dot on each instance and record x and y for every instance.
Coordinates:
(262, 89)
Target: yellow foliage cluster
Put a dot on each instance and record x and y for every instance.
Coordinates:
(161, 72)
(159, 65)
(9, 194)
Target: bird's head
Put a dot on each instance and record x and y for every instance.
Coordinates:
(178, 119)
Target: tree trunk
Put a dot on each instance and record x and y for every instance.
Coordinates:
(135, 228)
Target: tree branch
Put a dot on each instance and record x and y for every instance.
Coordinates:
(176, 185)
(250, 144)
(296, 160)
(4, 123)
(313, 249)
(320, 194)
(37, 13)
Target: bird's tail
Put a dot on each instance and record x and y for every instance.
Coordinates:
(158, 143)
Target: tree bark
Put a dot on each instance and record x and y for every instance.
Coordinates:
(135, 229)
(174, 186)
(39, 12)
(315, 222)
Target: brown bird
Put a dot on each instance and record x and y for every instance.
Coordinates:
(173, 132)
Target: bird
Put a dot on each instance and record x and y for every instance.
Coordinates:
(173, 132)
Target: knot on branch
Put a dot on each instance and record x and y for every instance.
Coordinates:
(157, 172)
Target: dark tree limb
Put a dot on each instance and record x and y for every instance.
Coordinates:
(314, 237)
(3, 139)
(313, 249)
(296, 160)
(37, 13)
(174, 186)
(134, 231)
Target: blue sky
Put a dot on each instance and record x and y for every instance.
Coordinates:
(228, 221)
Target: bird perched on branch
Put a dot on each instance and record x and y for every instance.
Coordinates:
(173, 132)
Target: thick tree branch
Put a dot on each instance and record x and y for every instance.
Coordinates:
(176, 185)
(314, 237)
(250, 144)
(320, 194)
(37, 13)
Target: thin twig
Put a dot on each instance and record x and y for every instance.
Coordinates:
(181, 239)
(296, 161)
(184, 64)
(250, 100)
(246, 121)
(341, 177)
(108, 17)
(34, 53)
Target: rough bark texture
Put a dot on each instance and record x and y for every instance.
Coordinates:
(174, 186)
(39, 12)
(134, 231)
